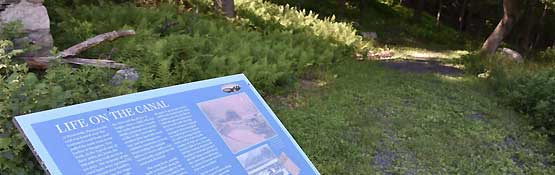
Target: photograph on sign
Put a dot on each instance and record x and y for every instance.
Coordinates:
(262, 161)
(237, 121)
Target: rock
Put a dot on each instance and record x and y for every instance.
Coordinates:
(36, 24)
(513, 55)
(124, 75)
(370, 35)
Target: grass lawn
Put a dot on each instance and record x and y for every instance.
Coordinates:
(373, 120)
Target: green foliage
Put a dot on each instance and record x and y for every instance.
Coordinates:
(393, 23)
(23, 92)
(548, 55)
(271, 17)
(173, 48)
(11, 30)
(527, 87)
(170, 48)
(533, 93)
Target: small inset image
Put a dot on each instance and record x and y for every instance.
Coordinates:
(262, 161)
(289, 164)
(237, 120)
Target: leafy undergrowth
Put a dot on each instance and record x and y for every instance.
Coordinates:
(171, 47)
(174, 47)
(374, 120)
(393, 23)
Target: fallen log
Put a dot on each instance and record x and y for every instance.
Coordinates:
(37, 62)
(94, 41)
(69, 55)
(95, 62)
(43, 62)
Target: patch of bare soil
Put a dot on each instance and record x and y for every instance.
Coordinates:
(423, 66)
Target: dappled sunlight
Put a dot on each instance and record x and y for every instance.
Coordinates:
(425, 54)
(454, 79)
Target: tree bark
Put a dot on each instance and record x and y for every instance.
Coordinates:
(363, 7)
(531, 23)
(42, 63)
(462, 15)
(341, 7)
(94, 41)
(438, 16)
(68, 55)
(418, 11)
(226, 7)
(510, 15)
(541, 26)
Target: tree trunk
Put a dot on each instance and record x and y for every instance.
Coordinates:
(531, 23)
(462, 15)
(418, 11)
(68, 55)
(226, 7)
(510, 14)
(438, 16)
(541, 26)
(363, 7)
(341, 7)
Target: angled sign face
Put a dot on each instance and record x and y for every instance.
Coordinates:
(217, 126)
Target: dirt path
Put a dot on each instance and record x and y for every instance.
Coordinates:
(424, 66)
(414, 60)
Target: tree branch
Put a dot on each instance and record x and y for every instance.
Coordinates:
(42, 62)
(94, 41)
(68, 55)
(95, 62)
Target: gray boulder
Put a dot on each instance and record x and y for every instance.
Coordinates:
(370, 35)
(124, 75)
(36, 24)
(511, 54)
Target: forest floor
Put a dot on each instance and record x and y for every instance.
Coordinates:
(409, 116)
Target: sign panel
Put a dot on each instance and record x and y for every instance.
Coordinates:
(218, 126)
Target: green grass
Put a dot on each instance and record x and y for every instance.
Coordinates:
(371, 120)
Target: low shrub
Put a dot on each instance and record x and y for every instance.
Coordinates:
(171, 47)
(272, 17)
(174, 48)
(23, 92)
(533, 94)
(546, 56)
(528, 87)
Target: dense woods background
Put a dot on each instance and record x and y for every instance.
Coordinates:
(531, 31)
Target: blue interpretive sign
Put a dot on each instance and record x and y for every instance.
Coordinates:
(218, 126)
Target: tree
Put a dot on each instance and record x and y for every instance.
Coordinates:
(340, 7)
(510, 15)
(418, 11)
(438, 16)
(462, 15)
(226, 7)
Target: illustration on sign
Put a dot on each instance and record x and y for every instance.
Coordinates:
(218, 126)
